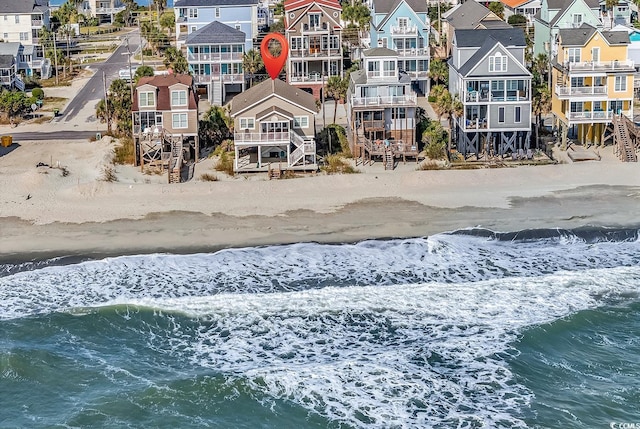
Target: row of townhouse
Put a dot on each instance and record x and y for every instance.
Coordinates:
(21, 22)
(210, 35)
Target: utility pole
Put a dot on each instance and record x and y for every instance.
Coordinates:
(106, 103)
(55, 56)
(130, 73)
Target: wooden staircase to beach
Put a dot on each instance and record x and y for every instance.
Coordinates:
(175, 161)
(389, 161)
(274, 172)
(624, 145)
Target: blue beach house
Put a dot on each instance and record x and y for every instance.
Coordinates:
(192, 15)
(403, 25)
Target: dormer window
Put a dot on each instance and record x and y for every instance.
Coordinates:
(314, 20)
(577, 19)
(498, 63)
(146, 99)
(179, 98)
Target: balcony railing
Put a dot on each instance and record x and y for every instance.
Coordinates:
(311, 77)
(109, 10)
(417, 74)
(485, 96)
(399, 100)
(226, 78)
(314, 53)
(413, 52)
(594, 116)
(214, 56)
(36, 23)
(579, 91)
(616, 65)
(402, 30)
(382, 74)
(283, 137)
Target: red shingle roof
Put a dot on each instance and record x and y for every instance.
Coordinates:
(163, 82)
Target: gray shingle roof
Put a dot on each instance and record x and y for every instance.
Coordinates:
(20, 6)
(6, 61)
(580, 36)
(486, 48)
(212, 3)
(216, 32)
(475, 38)
(9, 48)
(563, 4)
(386, 6)
(269, 87)
(494, 23)
(359, 77)
(467, 15)
(380, 52)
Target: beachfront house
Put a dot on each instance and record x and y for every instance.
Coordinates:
(192, 15)
(22, 21)
(381, 109)
(469, 15)
(104, 10)
(214, 54)
(557, 14)
(487, 73)
(165, 122)
(404, 27)
(526, 8)
(8, 71)
(274, 125)
(592, 81)
(314, 32)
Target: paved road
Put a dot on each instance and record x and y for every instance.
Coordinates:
(94, 88)
(56, 135)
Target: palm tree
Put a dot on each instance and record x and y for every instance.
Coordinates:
(540, 105)
(336, 88)
(610, 4)
(439, 71)
(252, 64)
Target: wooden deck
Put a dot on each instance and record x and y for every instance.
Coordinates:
(387, 150)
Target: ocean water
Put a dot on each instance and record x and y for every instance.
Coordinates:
(472, 329)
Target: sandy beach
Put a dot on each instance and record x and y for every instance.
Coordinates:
(45, 213)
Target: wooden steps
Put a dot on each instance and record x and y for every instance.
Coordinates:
(389, 161)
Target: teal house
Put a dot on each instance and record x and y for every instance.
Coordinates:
(403, 26)
(557, 14)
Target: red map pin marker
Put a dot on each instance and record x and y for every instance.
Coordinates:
(274, 64)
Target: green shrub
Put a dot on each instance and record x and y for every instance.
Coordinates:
(38, 93)
(225, 164)
(125, 153)
(336, 164)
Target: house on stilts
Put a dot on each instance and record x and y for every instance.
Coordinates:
(274, 125)
(487, 73)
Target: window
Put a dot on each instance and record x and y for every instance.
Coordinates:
(577, 19)
(217, 12)
(238, 26)
(6, 36)
(621, 83)
(518, 115)
(595, 55)
(574, 55)
(398, 113)
(179, 120)
(403, 22)
(17, 19)
(314, 20)
(498, 63)
(301, 122)
(146, 99)
(24, 35)
(247, 123)
(178, 98)
(193, 13)
(501, 114)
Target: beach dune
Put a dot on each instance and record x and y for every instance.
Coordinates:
(46, 213)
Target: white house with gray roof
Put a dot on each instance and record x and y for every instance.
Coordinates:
(214, 54)
(21, 22)
(192, 15)
(487, 73)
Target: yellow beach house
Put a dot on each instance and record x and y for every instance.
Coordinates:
(592, 80)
